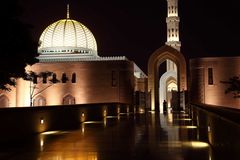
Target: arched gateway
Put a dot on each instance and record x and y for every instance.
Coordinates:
(159, 56)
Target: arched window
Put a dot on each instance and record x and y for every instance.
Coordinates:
(44, 76)
(68, 99)
(35, 79)
(74, 78)
(54, 78)
(64, 78)
(4, 101)
(39, 101)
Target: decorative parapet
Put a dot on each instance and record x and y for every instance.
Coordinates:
(77, 58)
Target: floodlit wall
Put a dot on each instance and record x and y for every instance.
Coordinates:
(206, 75)
(96, 82)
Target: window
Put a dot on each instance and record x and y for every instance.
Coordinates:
(44, 78)
(39, 101)
(54, 78)
(35, 79)
(69, 99)
(114, 79)
(74, 78)
(210, 76)
(4, 101)
(64, 78)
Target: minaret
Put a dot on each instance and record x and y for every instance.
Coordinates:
(172, 31)
(173, 25)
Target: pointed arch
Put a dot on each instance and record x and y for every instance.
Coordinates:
(39, 101)
(169, 75)
(64, 78)
(158, 57)
(68, 99)
(4, 101)
(74, 78)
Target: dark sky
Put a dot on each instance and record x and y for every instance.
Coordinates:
(137, 28)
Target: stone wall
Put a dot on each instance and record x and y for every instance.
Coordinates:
(23, 121)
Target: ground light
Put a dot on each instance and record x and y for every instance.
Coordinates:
(151, 111)
(92, 122)
(187, 127)
(183, 119)
(196, 144)
(43, 134)
(53, 132)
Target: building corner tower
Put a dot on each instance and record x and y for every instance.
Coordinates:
(172, 21)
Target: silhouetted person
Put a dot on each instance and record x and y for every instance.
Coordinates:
(164, 106)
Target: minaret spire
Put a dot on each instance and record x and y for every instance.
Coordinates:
(173, 25)
(68, 16)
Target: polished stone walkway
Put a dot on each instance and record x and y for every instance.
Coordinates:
(147, 136)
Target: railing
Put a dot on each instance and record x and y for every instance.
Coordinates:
(220, 127)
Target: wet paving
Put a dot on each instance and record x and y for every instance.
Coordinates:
(147, 136)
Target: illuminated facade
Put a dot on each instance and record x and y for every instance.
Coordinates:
(206, 75)
(68, 49)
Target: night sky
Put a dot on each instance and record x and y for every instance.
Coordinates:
(135, 29)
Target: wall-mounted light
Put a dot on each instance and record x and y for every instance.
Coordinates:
(141, 110)
(41, 120)
(83, 115)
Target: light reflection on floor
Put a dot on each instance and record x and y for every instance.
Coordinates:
(127, 137)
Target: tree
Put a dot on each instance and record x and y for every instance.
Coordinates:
(33, 78)
(233, 86)
(17, 46)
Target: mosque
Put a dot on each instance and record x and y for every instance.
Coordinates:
(68, 50)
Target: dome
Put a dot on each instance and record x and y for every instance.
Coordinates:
(67, 36)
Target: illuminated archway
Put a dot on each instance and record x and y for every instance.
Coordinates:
(159, 56)
(163, 86)
(4, 101)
